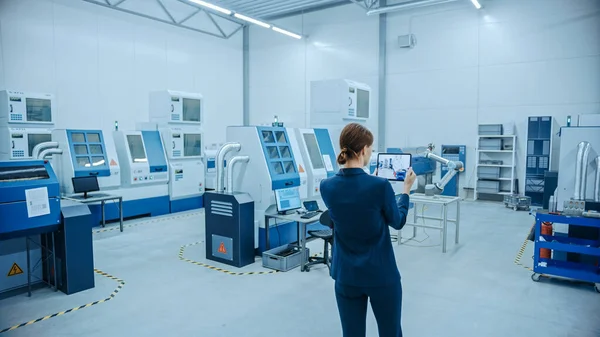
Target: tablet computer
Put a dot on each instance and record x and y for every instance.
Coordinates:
(393, 166)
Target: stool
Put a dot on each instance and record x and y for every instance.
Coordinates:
(327, 236)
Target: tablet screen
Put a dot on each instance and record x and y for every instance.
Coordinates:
(393, 166)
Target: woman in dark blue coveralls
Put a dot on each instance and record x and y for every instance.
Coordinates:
(364, 267)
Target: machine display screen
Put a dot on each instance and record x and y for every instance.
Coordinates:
(287, 199)
(18, 173)
(362, 104)
(191, 110)
(192, 144)
(313, 151)
(393, 166)
(136, 149)
(38, 110)
(35, 139)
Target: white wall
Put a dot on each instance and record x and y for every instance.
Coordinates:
(342, 43)
(101, 64)
(514, 59)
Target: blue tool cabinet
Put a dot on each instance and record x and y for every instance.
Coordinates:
(578, 271)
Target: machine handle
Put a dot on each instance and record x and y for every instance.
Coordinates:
(159, 169)
(13, 144)
(11, 108)
(173, 145)
(172, 108)
(289, 183)
(93, 173)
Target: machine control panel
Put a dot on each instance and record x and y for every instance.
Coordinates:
(21, 141)
(26, 108)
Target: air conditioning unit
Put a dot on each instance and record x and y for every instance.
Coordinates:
(407, 41)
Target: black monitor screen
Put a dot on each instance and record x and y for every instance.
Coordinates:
(85, 184)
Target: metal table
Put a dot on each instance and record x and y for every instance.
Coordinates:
(102, 198)
(437, 200)
(301, 228)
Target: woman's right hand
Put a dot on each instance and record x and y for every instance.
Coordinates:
(410, 177)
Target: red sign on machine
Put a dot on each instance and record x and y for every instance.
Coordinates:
(222, 249)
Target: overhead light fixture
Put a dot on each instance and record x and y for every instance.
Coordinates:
(283, 31)
(407, 5)
(211, 6)
(249, 19)
(476, 4)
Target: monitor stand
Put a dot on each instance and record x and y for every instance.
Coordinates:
(85, 195)
(286, 212)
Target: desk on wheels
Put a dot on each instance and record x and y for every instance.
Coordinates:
(301, 227)
(437, 200)
(102, 198)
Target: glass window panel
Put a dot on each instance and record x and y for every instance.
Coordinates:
(95, 149)
(272, 150)
(80, 149)
(313, 151)
(285, 152)
(34, 139)
(38, 110)
(78, 137)
(191, 110)
(277, 167)
(192, 144)
(98, 161)
(289, 167)
(93, 137)
(268, 137)
(362, 104)
(280, 135)
(136, 148)
(83, 161)
(16, 173)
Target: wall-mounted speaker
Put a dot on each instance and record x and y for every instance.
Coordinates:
(407, 41)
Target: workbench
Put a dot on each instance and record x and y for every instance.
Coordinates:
(573, 270)
(436, 200)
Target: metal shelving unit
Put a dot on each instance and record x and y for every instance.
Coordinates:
(504, 160)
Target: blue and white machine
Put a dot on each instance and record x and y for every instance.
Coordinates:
(335, 103)
(453, 153)
(144, 172)
(29, 206)
(316, 151)
(179, 117)
(271, 166)
(303, 167)
(210, 158)
(26, 120)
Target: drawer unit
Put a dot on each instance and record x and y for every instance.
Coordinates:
(490, 129)
(488, 186)
(488, 172)
(490, 144)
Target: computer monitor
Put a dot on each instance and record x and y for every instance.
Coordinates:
(85, 185)
(287, 199)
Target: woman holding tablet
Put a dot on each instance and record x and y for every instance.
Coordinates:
(364, 267)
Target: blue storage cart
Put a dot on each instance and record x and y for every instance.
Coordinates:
(549, 267)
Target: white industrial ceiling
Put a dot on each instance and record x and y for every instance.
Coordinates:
(189, 15)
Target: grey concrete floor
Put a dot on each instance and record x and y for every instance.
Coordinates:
(475, 289)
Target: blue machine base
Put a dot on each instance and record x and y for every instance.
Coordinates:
(283, 234)
(187, 204)
(131, 208)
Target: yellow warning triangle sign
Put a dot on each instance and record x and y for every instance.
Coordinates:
(300, 169)
(113, 162)
(222, 249)
(15, 270)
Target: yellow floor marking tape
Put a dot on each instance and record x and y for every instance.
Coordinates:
(120, 282)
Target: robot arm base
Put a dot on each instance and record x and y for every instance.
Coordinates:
(433, 189)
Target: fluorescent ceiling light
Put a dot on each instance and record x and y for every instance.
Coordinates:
(282, 31)
(254, 21)
(476, 4)
(211, 6)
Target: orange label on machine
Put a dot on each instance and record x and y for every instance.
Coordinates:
(15, 270)
(222, 249)
(300, 169)
(113, 162)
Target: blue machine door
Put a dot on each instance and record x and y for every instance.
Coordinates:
(454, 153)
(155, 151)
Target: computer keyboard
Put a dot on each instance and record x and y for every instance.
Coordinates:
(309, 215)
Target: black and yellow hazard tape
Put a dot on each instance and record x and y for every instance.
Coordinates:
(141, 223)
(120, 285)
(228, 272)
(183, 258)
(521, 252)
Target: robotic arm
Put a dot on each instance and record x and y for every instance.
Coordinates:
(453, 168)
